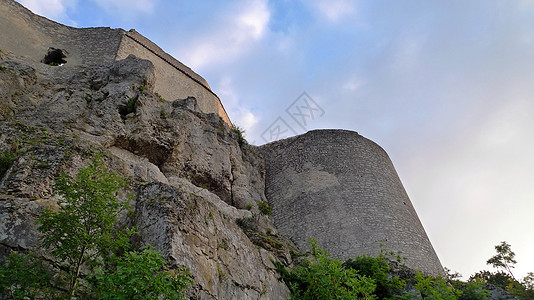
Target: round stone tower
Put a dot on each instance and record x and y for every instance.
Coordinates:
(341, 189)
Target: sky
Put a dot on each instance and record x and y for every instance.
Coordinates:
(445, 87)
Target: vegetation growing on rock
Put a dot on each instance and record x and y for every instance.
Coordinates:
(320, 277)
(83, 234)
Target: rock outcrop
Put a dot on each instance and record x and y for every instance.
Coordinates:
(190, 177)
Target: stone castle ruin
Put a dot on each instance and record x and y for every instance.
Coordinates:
(40, 39)
(332, 185)
(342, 189)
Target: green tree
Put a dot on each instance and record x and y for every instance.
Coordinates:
(528, 284)
(504, 258)
(140, 275)
(528, 281)
(82, 231)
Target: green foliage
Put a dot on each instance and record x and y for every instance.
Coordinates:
(246, 222)
(391, 255)
(220, 272)
(378, 269)
(472, 290)
(528, 286)
(22, 276)
(139, 275)
(82, 231)
(499, 279)
(435, 287)
(528, 281)
(6, 160)
(321, 277)
(504, 258)
(163, 114)
(249, 206)
(451, 275)
(504, 279)
(160, 98)
(130, 106)
(265, 208)
(240, 132)
(141, 88)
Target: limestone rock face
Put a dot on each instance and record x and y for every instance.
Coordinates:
(190, 178)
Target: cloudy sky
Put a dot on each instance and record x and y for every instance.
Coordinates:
(445, 87)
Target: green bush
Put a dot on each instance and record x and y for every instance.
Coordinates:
(435, 288)
(6, 160)
(22, 276)
(130, 106)
(499, 279)
(474, 290)
(240, 132)
(139, 275)
(378, 269)
(321, 277)
(265, 208)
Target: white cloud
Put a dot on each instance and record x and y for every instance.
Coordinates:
(126, 7)
(52, 9)
(231, 37)
(334, 10)
(352, 84)
(240, 115)
(253, 21)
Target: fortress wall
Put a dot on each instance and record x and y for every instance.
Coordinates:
(22, 32)
(30, 35)
(92, 46)
(173, 79)
(342, 189)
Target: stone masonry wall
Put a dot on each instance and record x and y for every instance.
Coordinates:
(30, 35)
(174, 80)
(342, 189)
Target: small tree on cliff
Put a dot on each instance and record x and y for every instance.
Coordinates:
(82, 231)
(504, 258)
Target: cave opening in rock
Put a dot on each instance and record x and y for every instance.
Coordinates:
(55, 57)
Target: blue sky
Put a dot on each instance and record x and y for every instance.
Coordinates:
(445, 87)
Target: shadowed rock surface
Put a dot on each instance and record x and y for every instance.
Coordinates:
(190, 178)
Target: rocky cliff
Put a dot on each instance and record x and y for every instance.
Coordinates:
(191, 176)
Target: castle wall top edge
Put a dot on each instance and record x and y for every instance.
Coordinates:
(18, 8)
(30, 35)
(309, 132)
